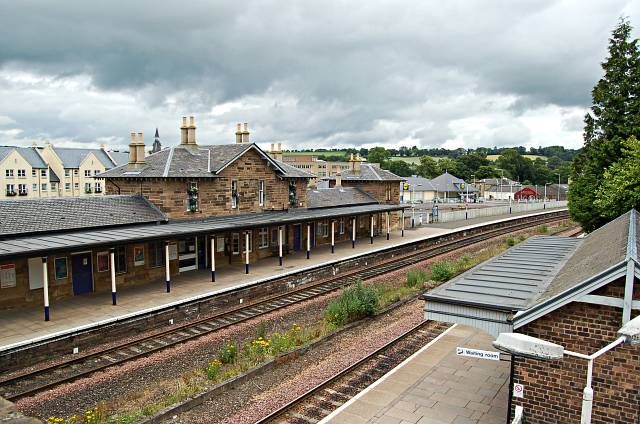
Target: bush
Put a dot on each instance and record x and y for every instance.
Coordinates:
(213, 369)
(415, 277)
(257, 350)
(354, 303)
(543, 229)
(441, 271)
(510, 241)
(261, 330)
(281, 343)
(228, 353)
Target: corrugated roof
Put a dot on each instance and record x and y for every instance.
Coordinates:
(47, 244)
(28, 153)
(338, 196)
(72, 157)
(368, 172)
(510, 281)
(40, 215)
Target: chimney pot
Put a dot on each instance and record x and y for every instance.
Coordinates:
(191, 121)
(140, 139)
(184, 121)
(245, 126)
(133, 136)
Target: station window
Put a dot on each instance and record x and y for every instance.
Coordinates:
(341, 226)
(98, 188)
(87, 188)
(325, 229)
(261, 192)
(263, 238)
(192, 199)
(10, 189)
(156, 254)
(53, 186)
(234, 194)
(121, 259)
(75, 172)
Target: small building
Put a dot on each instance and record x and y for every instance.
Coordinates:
(449, 187)
(526, 193)
(416, 189)
(498, 188)
(573, 292)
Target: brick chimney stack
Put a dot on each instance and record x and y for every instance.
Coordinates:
(238, 133)
(245, 133)
(191, 132)
(354, 164)
(183, 131)
(136, 151)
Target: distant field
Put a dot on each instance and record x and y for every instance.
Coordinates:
(338, 153)
(413, 159)
(493, 158)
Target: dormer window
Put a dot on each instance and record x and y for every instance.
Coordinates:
(234, 194)
(192, 200)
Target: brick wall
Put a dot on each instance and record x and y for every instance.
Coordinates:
(377, 189)
(214, 197)
(553, 390)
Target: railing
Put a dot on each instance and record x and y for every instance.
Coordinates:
(461, 215)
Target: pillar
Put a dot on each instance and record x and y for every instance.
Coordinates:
(402, 223)
(371, 228)
(45, 287)
(388, 229)
(167, 269)
(308, 241)
(112, 263)
(213, 259)
(333, 236)
(280, 244)
(196, 243)
(246, 252)
(353, 234)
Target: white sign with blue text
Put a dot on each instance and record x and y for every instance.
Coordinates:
(476, 353)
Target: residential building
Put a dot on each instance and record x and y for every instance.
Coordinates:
(24, 174)
(309, 163)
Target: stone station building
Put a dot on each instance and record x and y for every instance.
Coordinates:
(181, 209)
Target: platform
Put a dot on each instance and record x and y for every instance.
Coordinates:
(25, 325)
(435, 386)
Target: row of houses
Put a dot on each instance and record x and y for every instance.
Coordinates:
(185, 208)
(48, 171)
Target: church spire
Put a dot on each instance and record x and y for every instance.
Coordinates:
(156, 143)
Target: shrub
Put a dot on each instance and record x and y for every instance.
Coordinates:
(213, 369)
(543, 229)
(281, 343)
(228, 353)
(354, 303)
(257, 350)
(261, 330)
(415, 277)
(441, 271)
(510, 241)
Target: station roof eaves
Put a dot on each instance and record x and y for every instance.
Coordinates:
(47, 243)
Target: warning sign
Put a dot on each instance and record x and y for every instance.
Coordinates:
(518, 390)
(476, 353)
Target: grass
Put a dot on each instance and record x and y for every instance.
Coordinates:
(354, 303)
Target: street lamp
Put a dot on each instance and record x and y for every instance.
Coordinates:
(532, 347)
(558, 196)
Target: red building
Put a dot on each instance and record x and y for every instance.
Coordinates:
(526, 193)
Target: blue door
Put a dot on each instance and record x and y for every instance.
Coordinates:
(82, 273)
(313, 235)
(296, 237)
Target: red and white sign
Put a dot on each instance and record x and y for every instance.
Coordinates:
(518, 390)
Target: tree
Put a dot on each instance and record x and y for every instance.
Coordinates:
(469, 164)
(613, 118)
(620, 187)
(378, 155)
(516, 166)
(447, 165)
(428, 167)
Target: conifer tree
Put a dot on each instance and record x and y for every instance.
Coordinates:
(614, 117)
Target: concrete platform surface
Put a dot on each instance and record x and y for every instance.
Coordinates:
(435, 386)
(26, 325)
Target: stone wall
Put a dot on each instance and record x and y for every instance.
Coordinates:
(553, 390)
(377, 189)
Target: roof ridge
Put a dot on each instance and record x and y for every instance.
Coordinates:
(632, 238)
(167, 165)
(374, 171)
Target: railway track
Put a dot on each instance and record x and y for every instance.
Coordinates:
(36, 380)
(330, 394)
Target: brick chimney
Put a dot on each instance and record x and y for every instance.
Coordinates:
(239, 133)
(183, 131)
(136, 151)
(191, 132)
(245, 133)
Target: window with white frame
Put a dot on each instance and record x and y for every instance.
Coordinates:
(22, 173)
(75, 172)
(96, 171)
(235, 243)
(43, 172)
(341, 226)
(388, 192)
(53, 186)
(98, 187)
(44, 187)
(22, 188)
(10, 190)
(261, 192)
(325, 229)
(87, 172)
(67, 172)
(67, 186)
(76, 185)
(87, 187)
(263, 238)
(34, 173)
(234, 194)
(8, 173)
(34, 187)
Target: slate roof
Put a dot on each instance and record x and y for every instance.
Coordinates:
(28, 153)
(196, 162)
(72, 157)
(447, 182)
(368, 172)
(120, 158)
(71, 213)
(53, 177)
(338, 196)
(420, 183)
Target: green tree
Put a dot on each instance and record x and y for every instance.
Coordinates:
(428, 167)
(400, 168)
(378, 155)
(620, 187)
(469, 164)
(516, 166)
(447, 165)
(613, 118)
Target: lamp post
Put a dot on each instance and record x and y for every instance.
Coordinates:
(558, 191)
(532, 347)
(501, 179)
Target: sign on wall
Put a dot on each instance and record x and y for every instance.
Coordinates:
(518, 390)
(173, 252)
(476, 353)
(7, 276)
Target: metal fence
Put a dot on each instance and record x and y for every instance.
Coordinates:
(462, 215)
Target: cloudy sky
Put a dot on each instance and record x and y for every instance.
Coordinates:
(455, 73)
